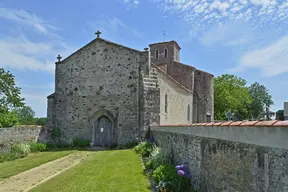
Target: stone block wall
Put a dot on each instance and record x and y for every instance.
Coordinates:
(8, 136)
(101, 76)
(239, 156)
(203, 98)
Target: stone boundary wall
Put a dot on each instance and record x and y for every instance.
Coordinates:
(230, 156)
(11, 135)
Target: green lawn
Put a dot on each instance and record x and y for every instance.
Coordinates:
(103, 171)
(10, 168)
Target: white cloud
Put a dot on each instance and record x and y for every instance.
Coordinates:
(29, 20)
(131, 3)
(199, 14)
(229, 34)
(271, 60)
(20, 53)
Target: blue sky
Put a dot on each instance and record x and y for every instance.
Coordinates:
(248, 38)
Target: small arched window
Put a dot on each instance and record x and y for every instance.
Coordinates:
(157, 53)
(188, 113)
(166, 103)
(166, 52)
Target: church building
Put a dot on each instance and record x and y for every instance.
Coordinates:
(110, 94)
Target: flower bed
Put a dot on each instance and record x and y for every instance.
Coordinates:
(159, 166)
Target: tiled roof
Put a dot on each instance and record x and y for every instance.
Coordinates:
(274, 123)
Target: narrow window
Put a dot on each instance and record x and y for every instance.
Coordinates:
(166, 52)
(166, 103)
(157, 53)
(188, 113)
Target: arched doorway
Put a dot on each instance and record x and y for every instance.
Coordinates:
(103, 132)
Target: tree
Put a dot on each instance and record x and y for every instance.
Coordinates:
(231, 94)
(261, 99)
(26, 115)
(9, 98)
(41, 121)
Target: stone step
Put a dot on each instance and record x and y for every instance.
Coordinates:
(149, 87)
(153, 76)
(152, 80)
(150, 84)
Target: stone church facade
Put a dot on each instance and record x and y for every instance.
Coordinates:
(110, 94)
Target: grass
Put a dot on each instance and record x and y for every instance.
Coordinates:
(10, 168)
(103, 171)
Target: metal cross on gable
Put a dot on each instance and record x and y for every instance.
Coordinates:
(98, 33)
(59, 58)
(164, 34)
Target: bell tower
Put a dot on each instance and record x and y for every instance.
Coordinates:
(165, 53)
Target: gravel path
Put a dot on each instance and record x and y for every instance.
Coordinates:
(27, 180)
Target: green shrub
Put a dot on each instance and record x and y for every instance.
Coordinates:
(81, 143)
(148, 165)
(144, 148)
(165, 173)
(35, 147)
(131, 144)
(10, 156)
(158, 157)
(21, 148)
(168, 173)
(58, 145)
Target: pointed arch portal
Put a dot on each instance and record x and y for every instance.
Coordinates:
(103, 132)
(103, 129)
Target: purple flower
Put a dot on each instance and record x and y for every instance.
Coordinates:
(180, 167)
(181, 173)
(189, 176)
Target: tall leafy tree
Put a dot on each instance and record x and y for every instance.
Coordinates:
(231, 94)
(9, 98)
(26, 115)
(261, 99)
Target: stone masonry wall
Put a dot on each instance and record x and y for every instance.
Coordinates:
(178, 100)
(203, 99)
(11, 135)
(101, 76)
(184, 74)
(170, 46)
(239, 156)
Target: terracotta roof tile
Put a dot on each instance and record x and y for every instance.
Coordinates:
(236, 123)
(281, 124)
(226, 123)
(217, 124)
(249, 123)
(265, 123)
(209, 124)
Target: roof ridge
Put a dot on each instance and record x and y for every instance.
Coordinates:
(94, 40)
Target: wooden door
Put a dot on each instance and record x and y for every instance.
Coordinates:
(103, 132)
